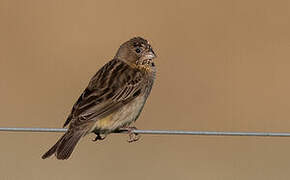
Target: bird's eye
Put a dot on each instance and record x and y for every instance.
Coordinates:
(138, 50)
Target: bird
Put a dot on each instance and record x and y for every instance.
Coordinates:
(113, 99)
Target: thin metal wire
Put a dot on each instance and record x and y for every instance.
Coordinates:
(162, 132)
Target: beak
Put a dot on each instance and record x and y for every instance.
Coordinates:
(150, 54)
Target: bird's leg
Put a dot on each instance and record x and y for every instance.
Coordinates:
(99, 137)
(132, 135)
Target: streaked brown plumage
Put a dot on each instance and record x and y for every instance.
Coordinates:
(114, 97)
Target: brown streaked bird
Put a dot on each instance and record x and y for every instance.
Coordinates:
(113, 99)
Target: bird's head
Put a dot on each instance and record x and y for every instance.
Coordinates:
(136, 52)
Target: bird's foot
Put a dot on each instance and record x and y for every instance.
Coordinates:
(99, 137)
(132, 135)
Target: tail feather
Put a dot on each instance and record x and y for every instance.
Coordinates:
(53, 149)
(65, 145)
(68, 144)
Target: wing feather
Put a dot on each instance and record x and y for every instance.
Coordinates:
(114, 85)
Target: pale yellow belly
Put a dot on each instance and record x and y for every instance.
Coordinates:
(123, 117)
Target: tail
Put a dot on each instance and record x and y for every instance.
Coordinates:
(65, 145)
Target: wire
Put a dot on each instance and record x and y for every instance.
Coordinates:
(162, 132)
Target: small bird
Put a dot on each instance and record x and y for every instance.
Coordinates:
(113, 99)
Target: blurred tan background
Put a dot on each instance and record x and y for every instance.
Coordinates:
(222, 66)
